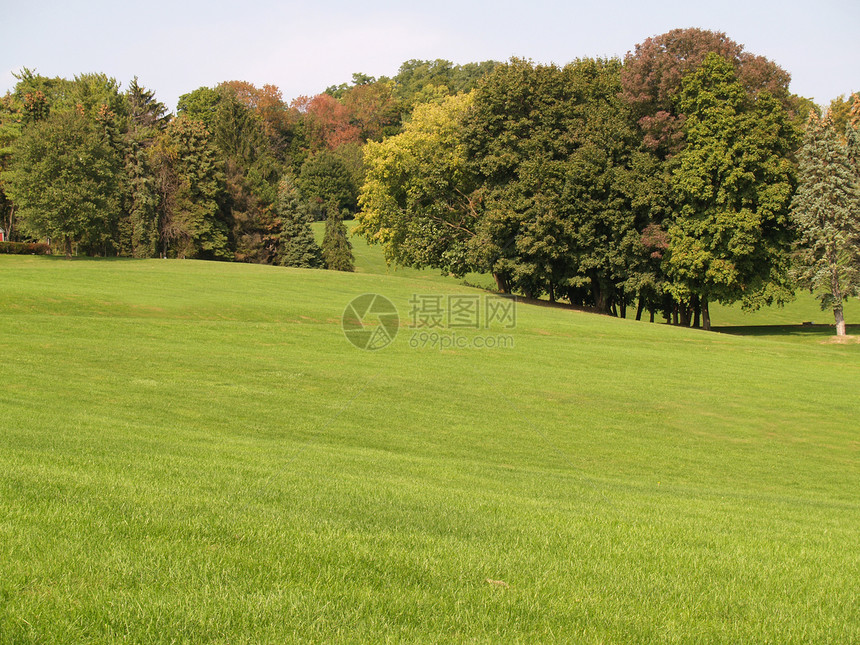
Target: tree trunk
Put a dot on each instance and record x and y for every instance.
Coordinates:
(551, 292)
(836, 292)
(697, 310)
(651, 311)
(640, 308)
(68, 247)
(840, 319)
(685, 314)
(706, 315)
(501, 282)
(601, 300)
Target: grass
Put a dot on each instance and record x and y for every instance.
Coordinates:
(192, 452)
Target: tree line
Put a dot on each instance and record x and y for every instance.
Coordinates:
(685, 174)
(666, 181)
(236, 174)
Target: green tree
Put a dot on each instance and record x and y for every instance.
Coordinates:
(826, 213)
(147, 119)
(297, 245)
(324, 178)
(734, 181)
(64, 181)
(336, 247)
(549, 148)
(244, 127)
(200, 105)
(11, 122)
(191, 188)
(840, 110)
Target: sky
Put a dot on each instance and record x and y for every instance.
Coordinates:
(176, 47)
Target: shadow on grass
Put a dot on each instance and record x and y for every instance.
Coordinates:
(803, 331)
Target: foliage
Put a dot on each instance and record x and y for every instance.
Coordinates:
(191, 186)
(430, 81)
(297, 246)
(326, 122)
(840, 110)
(415, 199)
(64, 181)
(199, 105)
(336, 248)
(826, 213)
(653, 74)
(734, 179)
(326, 178)
(550, 148)
(147, 118)
(24, 248)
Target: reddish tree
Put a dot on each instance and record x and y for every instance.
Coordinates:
(267, 103)
(327, 122)
(651, 79)
(373, 108)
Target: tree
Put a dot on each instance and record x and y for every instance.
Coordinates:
(64, 180)
(336, 247)
(147, 119)
(191, 188)
(297, 245)
(326, 122)
(11, 118)
(654, 72)
(826, 213)
(372, 108)
(840, 110)
(734, 180)
(325, 178)
(415, 200)
(199, 105)
(549, 148)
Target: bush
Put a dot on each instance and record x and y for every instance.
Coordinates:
(25, 248)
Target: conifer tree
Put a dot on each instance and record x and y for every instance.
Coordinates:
(336, 247)
(139, 228)
(297, 245)
(826, 214)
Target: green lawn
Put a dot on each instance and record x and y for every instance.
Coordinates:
(192, 452)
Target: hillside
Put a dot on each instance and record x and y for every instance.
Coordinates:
(193, 452)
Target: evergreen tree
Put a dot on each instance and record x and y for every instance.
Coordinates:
(139, 227)
(336, 247)
(325, 177)
(297, 245)
(826, 213)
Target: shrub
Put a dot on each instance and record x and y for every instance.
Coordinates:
(25, 248)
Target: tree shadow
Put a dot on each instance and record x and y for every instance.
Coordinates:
(802, 331)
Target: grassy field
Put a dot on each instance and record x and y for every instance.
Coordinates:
(192, 452)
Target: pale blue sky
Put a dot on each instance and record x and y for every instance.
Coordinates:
(175, 47)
